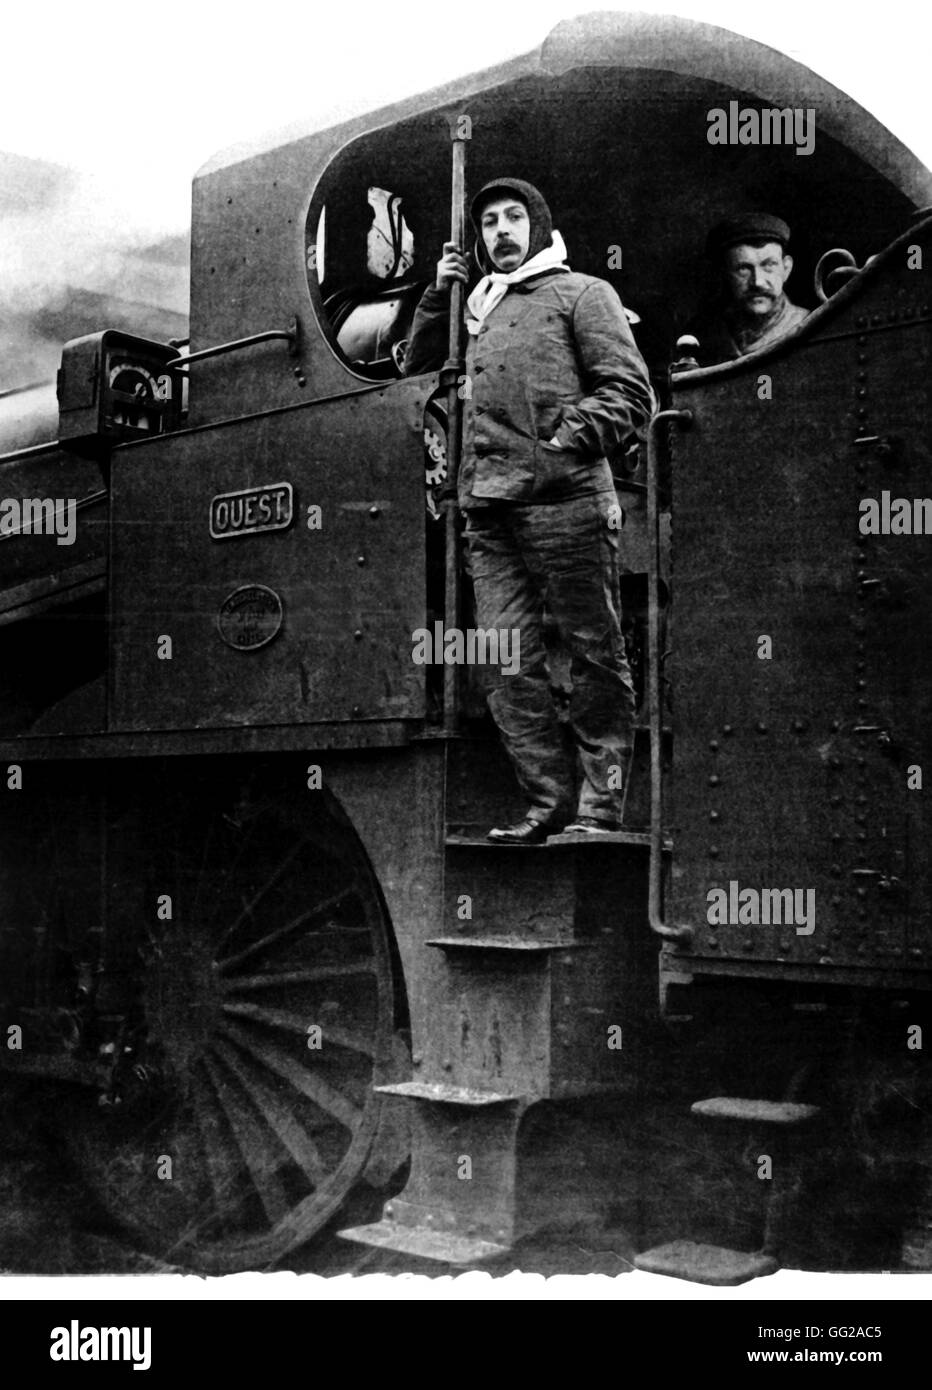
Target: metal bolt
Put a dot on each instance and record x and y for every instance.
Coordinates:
(360, 559)
(714, 780)
(761, 727)
(375, 511)
(714, 815)
(713, 745)
(358, 634)
(727, 729)
(713, 851)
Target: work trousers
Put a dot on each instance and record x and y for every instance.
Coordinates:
(562, 556)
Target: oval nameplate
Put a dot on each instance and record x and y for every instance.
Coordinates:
(250, 617)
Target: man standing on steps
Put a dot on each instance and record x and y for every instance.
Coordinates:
(555, 385)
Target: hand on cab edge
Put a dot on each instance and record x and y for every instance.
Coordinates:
(451, 266)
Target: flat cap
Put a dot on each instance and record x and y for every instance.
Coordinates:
(749, 226)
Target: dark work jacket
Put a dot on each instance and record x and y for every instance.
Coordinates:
(720, 340)
(556, 354)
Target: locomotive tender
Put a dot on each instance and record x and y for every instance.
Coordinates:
(252, 933)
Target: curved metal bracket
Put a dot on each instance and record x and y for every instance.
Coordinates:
(846, 270)
(684, 418)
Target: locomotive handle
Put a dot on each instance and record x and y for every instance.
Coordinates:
(683, 418)
(452, 371)
(291, 335)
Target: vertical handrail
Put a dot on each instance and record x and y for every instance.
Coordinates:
(452, 372)
(654, 701)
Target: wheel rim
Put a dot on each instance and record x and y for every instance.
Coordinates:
(277, 929)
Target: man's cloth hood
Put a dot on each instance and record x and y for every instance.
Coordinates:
(537, 209)
(491, 289)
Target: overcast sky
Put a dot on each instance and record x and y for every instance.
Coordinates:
(142, 95)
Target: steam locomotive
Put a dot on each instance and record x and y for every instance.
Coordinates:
(253, 937)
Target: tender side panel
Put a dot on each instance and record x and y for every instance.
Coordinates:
(792, 770)
(337, 599)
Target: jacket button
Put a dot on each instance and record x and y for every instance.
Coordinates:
(512, 323)
(479, 368)
(501, 366)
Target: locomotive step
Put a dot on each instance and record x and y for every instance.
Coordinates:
(443, 1246)
(506, 943)
(768, 1112)
(473, 838)
(705, 1264)
(444, 1094)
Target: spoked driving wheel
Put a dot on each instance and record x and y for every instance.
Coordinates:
(247, 932)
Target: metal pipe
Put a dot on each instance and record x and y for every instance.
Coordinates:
(31, 451)
(452, 371)
(654, 703)
(290, 334)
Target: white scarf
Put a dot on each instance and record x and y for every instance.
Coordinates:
(491, 289)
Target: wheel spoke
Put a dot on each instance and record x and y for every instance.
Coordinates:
(201, 872)
(295, 1139)
(294, 1023)
(205, 1117)
(260, 1160)
(230, 962)
(298, 977)
(308, 1083)
(250, 906)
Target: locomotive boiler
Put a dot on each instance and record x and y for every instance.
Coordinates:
(254, 939)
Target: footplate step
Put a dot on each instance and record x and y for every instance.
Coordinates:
(705, 1264)
(770, 1112)
(444, 1246)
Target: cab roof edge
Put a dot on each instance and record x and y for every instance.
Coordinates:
(637, 39)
